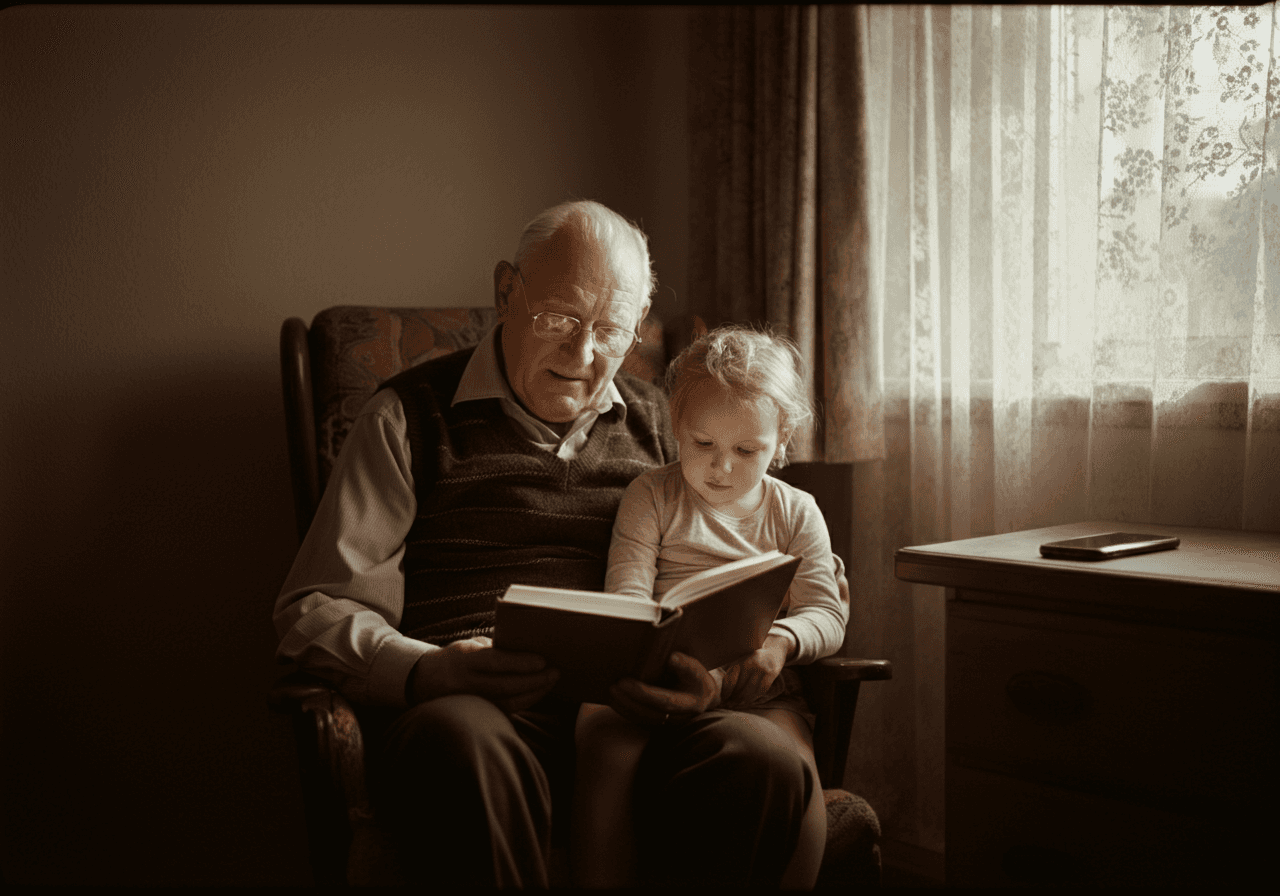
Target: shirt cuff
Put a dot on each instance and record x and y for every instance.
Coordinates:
(781, 628)
(390, 669)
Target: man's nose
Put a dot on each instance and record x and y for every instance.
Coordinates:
(581, 345)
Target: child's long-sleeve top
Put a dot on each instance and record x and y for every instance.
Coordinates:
(665, 532)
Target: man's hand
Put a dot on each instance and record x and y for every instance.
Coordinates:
(647, 704)
(747, 680)
(513, 681)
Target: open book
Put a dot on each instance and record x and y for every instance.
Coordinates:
(594, 638)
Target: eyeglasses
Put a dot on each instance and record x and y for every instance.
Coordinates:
(612, 342)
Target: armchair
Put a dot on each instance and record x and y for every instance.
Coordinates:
(329, 370)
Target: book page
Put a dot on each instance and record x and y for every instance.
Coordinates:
(714, 579)
(619, 606)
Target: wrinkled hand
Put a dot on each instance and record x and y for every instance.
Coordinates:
(513, 681)
(747, 680)
(647, 704)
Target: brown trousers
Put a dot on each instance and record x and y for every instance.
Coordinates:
(469, 790)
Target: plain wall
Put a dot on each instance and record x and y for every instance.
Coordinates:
(176, 182)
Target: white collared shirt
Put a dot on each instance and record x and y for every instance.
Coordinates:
(342, 600)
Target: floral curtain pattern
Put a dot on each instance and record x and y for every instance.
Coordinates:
(1069, 307)
(1082, 261)
(1075, 244)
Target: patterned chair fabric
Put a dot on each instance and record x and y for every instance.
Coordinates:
(355, 349)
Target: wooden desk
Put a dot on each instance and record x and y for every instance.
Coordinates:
(1110, 722)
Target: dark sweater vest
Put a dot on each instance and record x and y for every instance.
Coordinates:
(494, 509)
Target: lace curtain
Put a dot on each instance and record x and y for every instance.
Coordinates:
(1033, 256)
(1076, 221)
(1075, 244)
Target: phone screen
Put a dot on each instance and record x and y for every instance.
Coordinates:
(1110, 544)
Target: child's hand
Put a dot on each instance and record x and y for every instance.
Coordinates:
(746, 681)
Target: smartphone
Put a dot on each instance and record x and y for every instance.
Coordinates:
(1104, 547)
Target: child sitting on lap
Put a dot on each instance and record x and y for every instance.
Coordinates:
(737, 398)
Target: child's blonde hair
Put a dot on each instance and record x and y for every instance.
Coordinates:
(752, 365)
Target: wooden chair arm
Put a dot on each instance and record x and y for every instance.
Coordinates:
(331, 763)
(300, 421)
(293, 690)
(831, 687)
(845, 668)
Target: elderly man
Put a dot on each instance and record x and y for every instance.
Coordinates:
(499, 464)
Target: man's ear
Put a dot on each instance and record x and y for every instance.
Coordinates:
(504, 283)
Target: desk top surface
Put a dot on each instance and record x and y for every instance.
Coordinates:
(1209, 568)
(1227, 557)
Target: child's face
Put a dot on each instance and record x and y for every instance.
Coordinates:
(726, 447)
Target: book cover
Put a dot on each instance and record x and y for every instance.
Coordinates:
(595, 639)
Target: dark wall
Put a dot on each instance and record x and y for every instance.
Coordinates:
(176, 182)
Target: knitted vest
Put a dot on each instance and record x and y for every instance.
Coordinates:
(494, 509)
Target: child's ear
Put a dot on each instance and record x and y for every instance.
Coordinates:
(780, 454)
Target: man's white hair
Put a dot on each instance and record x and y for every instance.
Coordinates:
(604, 225)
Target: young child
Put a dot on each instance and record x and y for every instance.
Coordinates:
(737, 399)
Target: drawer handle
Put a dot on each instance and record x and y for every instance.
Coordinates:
(1048, 696)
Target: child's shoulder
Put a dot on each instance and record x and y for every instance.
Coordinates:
(665, 480)
(792, 499)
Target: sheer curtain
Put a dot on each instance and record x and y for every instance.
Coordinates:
(1070, 302)
(1081, 259)
(1076, 245)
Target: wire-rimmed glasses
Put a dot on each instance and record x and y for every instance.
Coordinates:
(612, 342)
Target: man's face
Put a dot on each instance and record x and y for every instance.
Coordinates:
(567, 275)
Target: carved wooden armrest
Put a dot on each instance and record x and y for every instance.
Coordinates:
(324, 716)
(844, 668)
(291, 691)
(831, 687)
(331, 762)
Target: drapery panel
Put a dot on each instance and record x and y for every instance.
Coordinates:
(1033, 255)
(780, 234)
(779, 218)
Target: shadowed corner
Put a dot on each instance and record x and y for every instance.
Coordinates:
(138, 642)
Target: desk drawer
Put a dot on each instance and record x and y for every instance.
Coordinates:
(1185, 720)
(1005, 832)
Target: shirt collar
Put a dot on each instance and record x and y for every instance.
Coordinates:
(483, 378)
